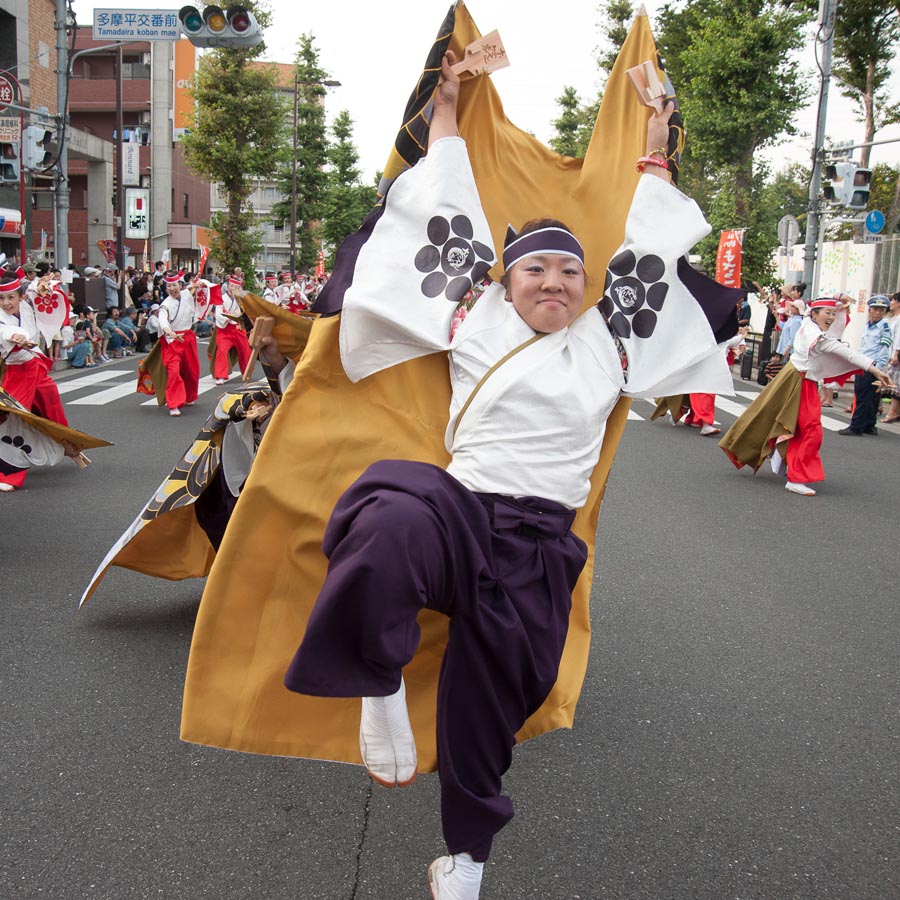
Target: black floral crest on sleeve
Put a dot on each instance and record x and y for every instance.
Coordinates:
(452, 260)
(634, 294)
(18, 442)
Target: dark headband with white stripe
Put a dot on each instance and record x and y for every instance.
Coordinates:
(543, 241)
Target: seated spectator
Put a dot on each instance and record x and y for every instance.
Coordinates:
(143, 342)
(115, 338)
(774, 365)
(81, 352)
(129, 324)
(87, 321)
(65, 343)
(153, 324)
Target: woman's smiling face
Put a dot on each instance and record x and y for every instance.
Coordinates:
(9, 302)
(547, 291)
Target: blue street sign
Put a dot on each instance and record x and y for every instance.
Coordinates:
(875, 222)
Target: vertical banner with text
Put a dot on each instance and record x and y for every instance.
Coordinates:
(183, 105)
(728, 259)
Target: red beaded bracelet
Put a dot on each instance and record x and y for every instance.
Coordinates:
(653, 161)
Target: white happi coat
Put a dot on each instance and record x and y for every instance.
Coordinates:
(536, 425)
(229, 306)
(269, 294)
(819, 356)
(178, 313)
(25, 323)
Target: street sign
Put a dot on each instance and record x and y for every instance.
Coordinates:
(7, 92)
(137, 213)
(869, 238)
(875, 222)
(131, 163)
(136, 24)
(788, 230)
(10, 129)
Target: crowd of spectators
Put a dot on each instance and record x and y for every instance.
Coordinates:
(129, 323)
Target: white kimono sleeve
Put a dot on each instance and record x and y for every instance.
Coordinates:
(430, 245)
(23, 446)
(667, 338)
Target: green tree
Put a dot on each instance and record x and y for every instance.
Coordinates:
(739, 92)
(787, 194)
(309, 166)
(865, 37)
(347, 201)
(615, 17)
(236, 135)
(568, 124)
(575, 124)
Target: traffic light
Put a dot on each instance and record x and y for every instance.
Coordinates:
(846, 184)
(9, 162)
(830, 190)
(235, 26)
(857, 190)
(38, 147)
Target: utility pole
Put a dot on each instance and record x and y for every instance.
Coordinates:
(61, 194)
(119, 180)
(827, 15)
(294, 178)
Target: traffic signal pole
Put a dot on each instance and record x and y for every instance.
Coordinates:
(827, 14)
(61, 194)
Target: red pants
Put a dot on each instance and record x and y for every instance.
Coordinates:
(12, 475)
(703, 409)
(226, 338)
(32, 386)
(803, 461)
(182, 369)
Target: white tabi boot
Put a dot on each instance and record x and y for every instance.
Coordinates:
(456, 877)
(386, 739)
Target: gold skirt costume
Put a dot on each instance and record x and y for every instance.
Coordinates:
(769, 419)
(328, 430)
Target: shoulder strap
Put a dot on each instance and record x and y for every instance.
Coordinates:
(490, 372)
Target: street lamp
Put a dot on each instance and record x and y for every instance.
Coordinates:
(297, 83)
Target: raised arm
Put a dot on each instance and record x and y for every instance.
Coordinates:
(446, 99)
(658, 140)
(829, 344)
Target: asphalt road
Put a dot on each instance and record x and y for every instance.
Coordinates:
(736, 738)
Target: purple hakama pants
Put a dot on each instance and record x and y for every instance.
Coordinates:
(407, 535)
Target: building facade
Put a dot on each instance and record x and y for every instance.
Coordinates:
(155, 106)
(151, 153)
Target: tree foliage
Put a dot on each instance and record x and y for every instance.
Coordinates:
(236, 136)
(739, 92)
(575, 124)
(308, 166)
(569, 125)
(615, 17)
(865, 38)
(347, 201)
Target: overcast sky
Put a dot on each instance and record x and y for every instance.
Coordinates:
(550, 43)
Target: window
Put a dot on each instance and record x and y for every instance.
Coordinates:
(186, 198)
(135, 70)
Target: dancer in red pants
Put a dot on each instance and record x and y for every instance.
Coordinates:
(27, 369)
(177, 315)
(229, 333)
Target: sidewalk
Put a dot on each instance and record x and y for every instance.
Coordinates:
(61, 367)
